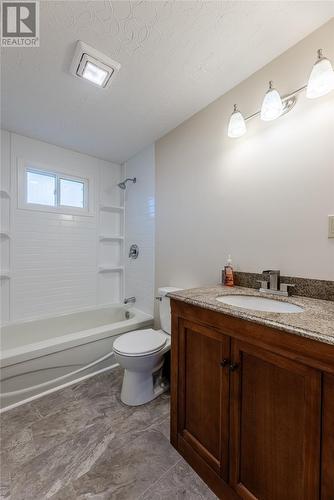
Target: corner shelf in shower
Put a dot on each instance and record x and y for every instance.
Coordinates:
(4, 234)
(4, 275)
(109, 237)
(111, 208)
(4, 193)
(110, 269)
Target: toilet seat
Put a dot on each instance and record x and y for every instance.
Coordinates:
(140, 343)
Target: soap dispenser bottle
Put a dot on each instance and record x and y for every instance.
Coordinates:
(228, 273)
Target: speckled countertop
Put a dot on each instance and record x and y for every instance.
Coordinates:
(315, 322)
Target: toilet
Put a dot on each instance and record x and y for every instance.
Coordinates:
(141, 354)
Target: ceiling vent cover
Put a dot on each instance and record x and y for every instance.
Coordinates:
(93, 66)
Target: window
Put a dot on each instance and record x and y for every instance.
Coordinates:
(54, 190)
(71, 193)
(51, 191)
(41, 188)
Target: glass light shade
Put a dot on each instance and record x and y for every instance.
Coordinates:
(237, 125)
(272, 105)
(95, 74)
(321, 79)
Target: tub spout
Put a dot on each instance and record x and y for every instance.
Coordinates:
(129, 300)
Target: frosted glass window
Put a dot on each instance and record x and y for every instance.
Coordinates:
(71, 193)
(41, 188)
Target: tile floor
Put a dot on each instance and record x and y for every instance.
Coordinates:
(83, 443)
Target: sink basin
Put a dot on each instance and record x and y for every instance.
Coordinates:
(259, 304)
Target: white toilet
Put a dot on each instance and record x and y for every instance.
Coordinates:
(141, 352)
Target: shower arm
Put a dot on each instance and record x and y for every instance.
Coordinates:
(122, 184)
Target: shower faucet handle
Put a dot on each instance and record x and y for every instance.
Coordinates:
(134, 251)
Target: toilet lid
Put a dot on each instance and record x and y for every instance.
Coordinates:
(140, 342)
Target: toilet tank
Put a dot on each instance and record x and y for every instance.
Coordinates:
(164, 307)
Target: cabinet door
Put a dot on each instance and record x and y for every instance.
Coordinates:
(327, 465)
(275, 426)
(203, 393)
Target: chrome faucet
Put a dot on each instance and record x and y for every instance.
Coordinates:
(129, 300)
(274, 279)
(275, 285)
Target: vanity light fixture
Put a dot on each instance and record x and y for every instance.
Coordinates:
(272, 106)
(320, 83)
(237, 125)
(93, 66)
(321, 79)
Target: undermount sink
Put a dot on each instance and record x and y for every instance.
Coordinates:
(259, 304)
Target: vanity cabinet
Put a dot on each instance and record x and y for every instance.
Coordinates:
(252, 408)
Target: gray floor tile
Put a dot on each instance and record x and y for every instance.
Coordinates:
(164, 427)
(54, 402)
(84, 443)
(66, 493)
(179, 482)
(126, 473)
(5, 475)
(13, 423)
(61, 426)
(47, 473)
(105, 383)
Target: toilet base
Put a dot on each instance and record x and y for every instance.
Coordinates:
(139, 388)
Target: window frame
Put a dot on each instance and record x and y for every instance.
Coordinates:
(30, 166)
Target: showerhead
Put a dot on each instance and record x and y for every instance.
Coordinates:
(122, 184)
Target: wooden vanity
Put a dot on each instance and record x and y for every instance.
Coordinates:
(252, 407)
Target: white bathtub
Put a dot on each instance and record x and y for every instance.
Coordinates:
(41, 355)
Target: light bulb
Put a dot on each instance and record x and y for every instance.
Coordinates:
(272, 105)
(321, 79)
(237, 125)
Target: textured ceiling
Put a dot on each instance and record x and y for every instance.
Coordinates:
(176, 57)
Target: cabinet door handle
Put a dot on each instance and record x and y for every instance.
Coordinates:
(233, 367)
(224, 363)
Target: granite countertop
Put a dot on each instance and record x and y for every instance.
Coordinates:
(316, 322)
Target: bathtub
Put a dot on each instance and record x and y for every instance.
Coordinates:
(43, 355)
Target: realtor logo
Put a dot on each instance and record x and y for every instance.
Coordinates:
(19, 24)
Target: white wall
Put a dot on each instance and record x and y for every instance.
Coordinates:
(53, 258)
(265, 197)
(139, 229)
